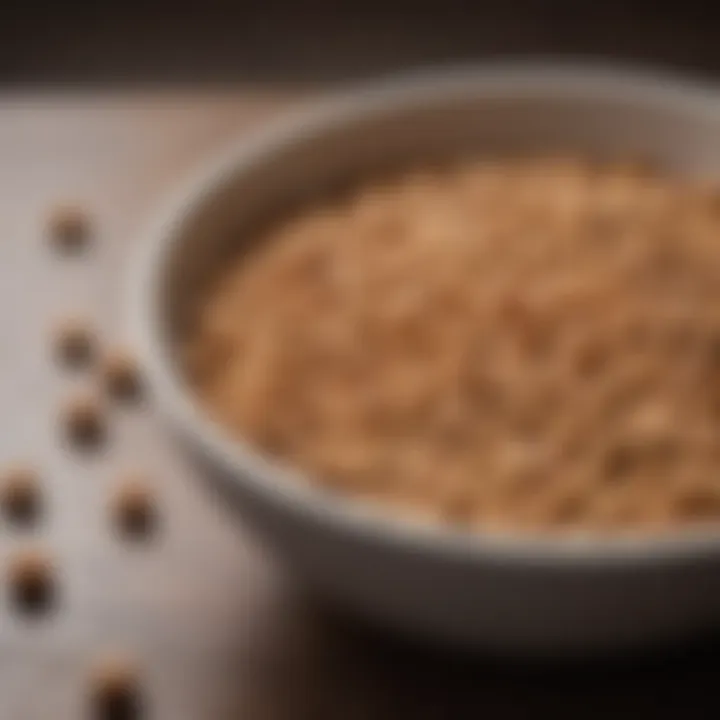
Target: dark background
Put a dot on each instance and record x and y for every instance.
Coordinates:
(131, 43)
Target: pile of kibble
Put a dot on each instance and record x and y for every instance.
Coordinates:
(527, 344)
(33, 579)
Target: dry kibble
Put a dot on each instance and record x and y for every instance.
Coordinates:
(590, 358)
(32, 582)
(20, 495)
(69, 229)
(622, 511)
(522, 466)
(566, 508)
(712, 349)
(122, 375)
(115, 692)
(651, 423)
(459, 505)
(696, 499)
(539, 336)
(134, 509)
(620, 460)
(84, 422)
(74, 342)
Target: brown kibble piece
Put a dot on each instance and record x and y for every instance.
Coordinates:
(134, 510)
(121, 375)
(696, 499)
(115, 692)
(590, 358)
(566, 508)
(69, 228)
(459, 505)
(84, 422)
(651, 423)
(32, 582)
(619, 460)
(521, 466)
(20, 495)
(74, 341)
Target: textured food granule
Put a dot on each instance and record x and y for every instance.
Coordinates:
(115, 689)
(74, 342)
(522, 343)
(32, 582)
(122, 375)
(84, 422)
(20, 497)
(134, 510)
(69, 228)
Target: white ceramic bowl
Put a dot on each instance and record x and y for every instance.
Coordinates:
(513, 594)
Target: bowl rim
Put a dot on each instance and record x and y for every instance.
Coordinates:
(273, 481)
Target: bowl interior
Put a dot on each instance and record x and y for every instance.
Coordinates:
(540, 111)
(371, 134)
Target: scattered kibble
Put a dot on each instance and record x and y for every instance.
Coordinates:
(121, 375)
(20, 495)
(134, 510)
(115, 692)
(69, 228)
(84, 422)
(32, 582)
(74, 342)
